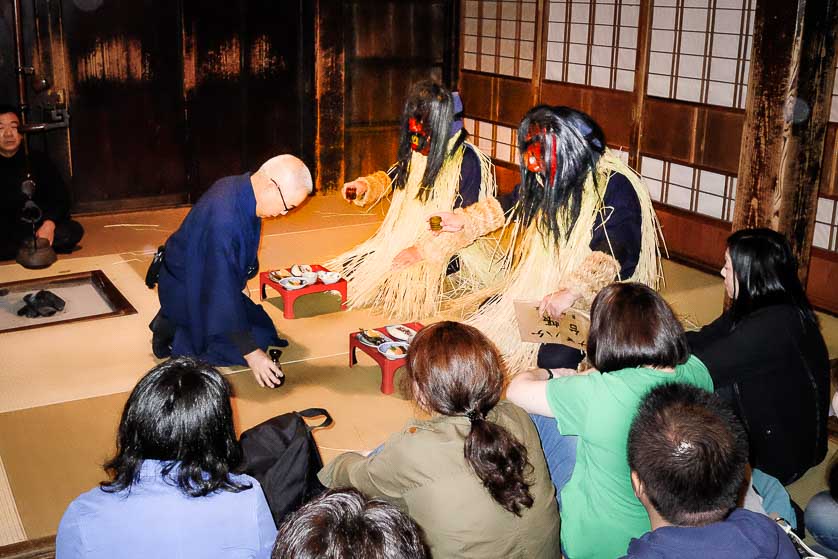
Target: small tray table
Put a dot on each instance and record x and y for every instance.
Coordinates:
(290, 295)
(388, 366)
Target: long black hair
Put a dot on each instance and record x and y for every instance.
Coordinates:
(766, 273)
(179, 413)
(433, 105)
(571, 146)
(454, 370)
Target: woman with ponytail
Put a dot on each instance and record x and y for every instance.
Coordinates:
(473, 476)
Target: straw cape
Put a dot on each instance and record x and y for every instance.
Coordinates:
(533, 265)
(414, 292)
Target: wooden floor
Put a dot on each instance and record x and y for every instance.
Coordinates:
(63, 389)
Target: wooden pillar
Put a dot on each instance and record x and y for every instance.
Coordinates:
(786, 114)
(641, 79)
(330, 96)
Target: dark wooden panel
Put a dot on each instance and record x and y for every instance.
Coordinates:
(823, 276)
(383, 29)
(212, 59)
(610, 108)
(719, 139)
(476, 90)
(692, 238)
(379, 91)
(829, 170)
(278, 98)
(668, 129)
(375, 148)
(124, 99)
(514, 98)
(507, 176)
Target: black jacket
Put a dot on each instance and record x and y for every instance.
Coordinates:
(773, 368)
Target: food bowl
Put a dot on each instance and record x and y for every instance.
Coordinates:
(310, 277)
(328, 277)
(300, 269)
(393, 350)
(293, 283)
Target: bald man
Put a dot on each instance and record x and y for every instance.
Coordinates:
(207, 262)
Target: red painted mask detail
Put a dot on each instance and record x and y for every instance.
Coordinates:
(419, 140)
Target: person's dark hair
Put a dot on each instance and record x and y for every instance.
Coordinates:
(690, 452)
(179, 413)
(433, 105)
(343, 524)
(454, 370)
(8, 108)
(571, 145)
(632, 326)
(766, 271)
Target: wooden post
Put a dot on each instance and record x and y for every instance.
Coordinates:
(641, 79)
(786, 114)
(330, 96)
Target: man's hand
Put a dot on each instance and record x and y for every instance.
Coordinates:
(46, 230)
(406, 258)
(555, 304)
(360, 189)
(451, 222)
(267, 372)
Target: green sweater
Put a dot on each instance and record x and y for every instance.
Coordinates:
(600, 513)
(423, 470)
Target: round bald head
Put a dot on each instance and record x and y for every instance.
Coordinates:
(281, 184)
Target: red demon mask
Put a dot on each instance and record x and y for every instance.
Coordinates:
(534, 154)
(419, 140)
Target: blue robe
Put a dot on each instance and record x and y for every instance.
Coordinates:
(205, 271)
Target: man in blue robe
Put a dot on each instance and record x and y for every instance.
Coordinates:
(207, 262)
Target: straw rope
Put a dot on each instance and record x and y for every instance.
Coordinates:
(415, 292)
(531, 266)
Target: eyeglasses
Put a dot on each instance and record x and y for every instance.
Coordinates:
(281, 197)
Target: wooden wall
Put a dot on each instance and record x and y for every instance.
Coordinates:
(166, 97)
(390, 44)
(701, 135)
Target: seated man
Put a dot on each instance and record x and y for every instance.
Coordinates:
(343, 524)
(50, 194)
(687, 453)
(206, 265)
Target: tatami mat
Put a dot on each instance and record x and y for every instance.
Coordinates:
(63, 387)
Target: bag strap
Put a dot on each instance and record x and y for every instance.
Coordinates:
(802, 549)
(317, 412)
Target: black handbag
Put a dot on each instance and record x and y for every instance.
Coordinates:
(283, 457)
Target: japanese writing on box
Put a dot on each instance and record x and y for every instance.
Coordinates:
(571, 329)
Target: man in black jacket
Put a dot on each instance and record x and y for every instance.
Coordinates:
(49, 194)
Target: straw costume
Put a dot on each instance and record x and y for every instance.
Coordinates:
(582, 219)
(438, 170)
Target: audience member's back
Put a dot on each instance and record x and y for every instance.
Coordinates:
(688, 455)
(172, 493)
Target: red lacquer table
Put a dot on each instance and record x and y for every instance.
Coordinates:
(388, 366)
(290, 295)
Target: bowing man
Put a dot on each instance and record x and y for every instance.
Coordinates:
(207, 262)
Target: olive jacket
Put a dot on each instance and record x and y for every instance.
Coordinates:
(422, 469)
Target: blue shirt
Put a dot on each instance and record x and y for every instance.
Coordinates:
(156, 519)
(742, 535)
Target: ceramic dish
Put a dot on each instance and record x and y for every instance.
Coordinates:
(293, 283)
(393, 350)
(372, 338)
(328, 277)
(300, 269)
(401, 332)
(279, 275)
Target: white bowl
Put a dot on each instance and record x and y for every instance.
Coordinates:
(293, 283)
(328, 277)
(310, 277)
(393, 350)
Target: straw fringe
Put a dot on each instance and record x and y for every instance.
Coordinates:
(414, 292)
(533, 266)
